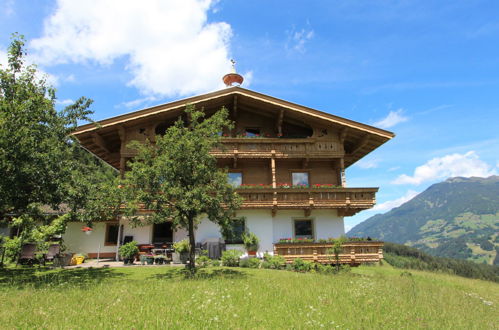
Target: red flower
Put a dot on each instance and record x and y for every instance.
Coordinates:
(85, 229)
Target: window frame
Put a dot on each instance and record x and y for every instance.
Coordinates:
(259, 129)
(240, 241)
(312, 224)
(108, 225)
(291, 171)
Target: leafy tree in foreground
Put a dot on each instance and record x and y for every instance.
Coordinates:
(41, 166)
(177, 180)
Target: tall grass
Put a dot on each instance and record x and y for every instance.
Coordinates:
(236, 298)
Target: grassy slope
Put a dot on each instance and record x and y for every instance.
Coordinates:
(154, 297)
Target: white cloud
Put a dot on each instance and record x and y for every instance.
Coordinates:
(465, 165)
(138, 102)
(297, 39)
(64, 102)
(366, 164)
(387, 206)
(393, 118)
(169, 47)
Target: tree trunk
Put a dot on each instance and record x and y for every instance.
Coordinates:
(192, 243)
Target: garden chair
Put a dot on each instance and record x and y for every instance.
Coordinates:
(27, 254)
(53, 253)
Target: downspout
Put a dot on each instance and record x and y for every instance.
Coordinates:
(118, 241)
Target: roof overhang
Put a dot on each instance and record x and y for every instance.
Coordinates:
(360, 139)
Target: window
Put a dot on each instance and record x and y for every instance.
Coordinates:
(235, 234)
(252, 131)
(235, 178)
(304, 229)
(111, 234)
(299, 178)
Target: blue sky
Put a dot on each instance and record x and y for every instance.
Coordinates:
(426, 70)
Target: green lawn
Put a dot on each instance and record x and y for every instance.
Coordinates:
(237, 298)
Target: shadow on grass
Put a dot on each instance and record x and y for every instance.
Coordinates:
(39, 278)
(202, 274)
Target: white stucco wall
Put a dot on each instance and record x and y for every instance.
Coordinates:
(268, 229)
(77, 241)
(326, 223)
(141, 234)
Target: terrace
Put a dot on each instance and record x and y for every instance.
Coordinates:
(353, 253)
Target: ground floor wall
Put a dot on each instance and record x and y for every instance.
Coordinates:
(325, 224)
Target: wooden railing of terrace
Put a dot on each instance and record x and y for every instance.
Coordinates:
(351, 200)
(354, 253)
(278, 148)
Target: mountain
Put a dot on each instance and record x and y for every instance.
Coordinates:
(457, 218)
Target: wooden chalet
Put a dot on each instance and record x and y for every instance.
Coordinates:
(288, 162)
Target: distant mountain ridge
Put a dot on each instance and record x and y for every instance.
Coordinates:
(457, 218)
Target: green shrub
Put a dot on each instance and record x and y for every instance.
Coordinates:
(254, 262)
(215, 263)
(182, 246)
(230, 258)
(203, 261)
(274, 262)
(265, 264)
(244, 263)
(300, 265)
(129, 250)
(12, 248)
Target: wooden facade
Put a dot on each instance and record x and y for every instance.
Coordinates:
(291, 138)
(353, 253)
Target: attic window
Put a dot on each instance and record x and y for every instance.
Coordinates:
(252, 131)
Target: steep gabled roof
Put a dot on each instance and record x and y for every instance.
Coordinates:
(360, 139)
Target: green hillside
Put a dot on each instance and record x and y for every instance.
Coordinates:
(457, 218)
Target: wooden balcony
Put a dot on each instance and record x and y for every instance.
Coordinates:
(354, 253)
(278, 148)
(347, 200)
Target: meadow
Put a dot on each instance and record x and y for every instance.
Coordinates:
(371, 297)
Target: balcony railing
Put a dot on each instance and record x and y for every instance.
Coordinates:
(279, 148)
(353, 253)
(354, 199)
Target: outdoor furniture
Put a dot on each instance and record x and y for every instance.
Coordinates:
(53, 253)
(27, 254)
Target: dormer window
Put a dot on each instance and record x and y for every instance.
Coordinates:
(252, 132)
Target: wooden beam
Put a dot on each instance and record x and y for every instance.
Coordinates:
(361, 144)
(279, 122)
(272, 166)
(99, 141)
(343, 135)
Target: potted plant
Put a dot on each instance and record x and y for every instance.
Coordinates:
(159, 260)
(250, 241)
(128, 252)
(150, 259)
(181, 251)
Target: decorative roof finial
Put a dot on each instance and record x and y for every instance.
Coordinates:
(233, 78)
(233, 65)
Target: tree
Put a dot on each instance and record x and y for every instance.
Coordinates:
(177, 180)
(42, 166)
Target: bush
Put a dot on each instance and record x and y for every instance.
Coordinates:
(274, 262)
(300, 265)
(230, 258)
(129, 250)
(203, 261)
(12, 248)
(254, 262)
(215, 263)
(182, 246)
(244, 263)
